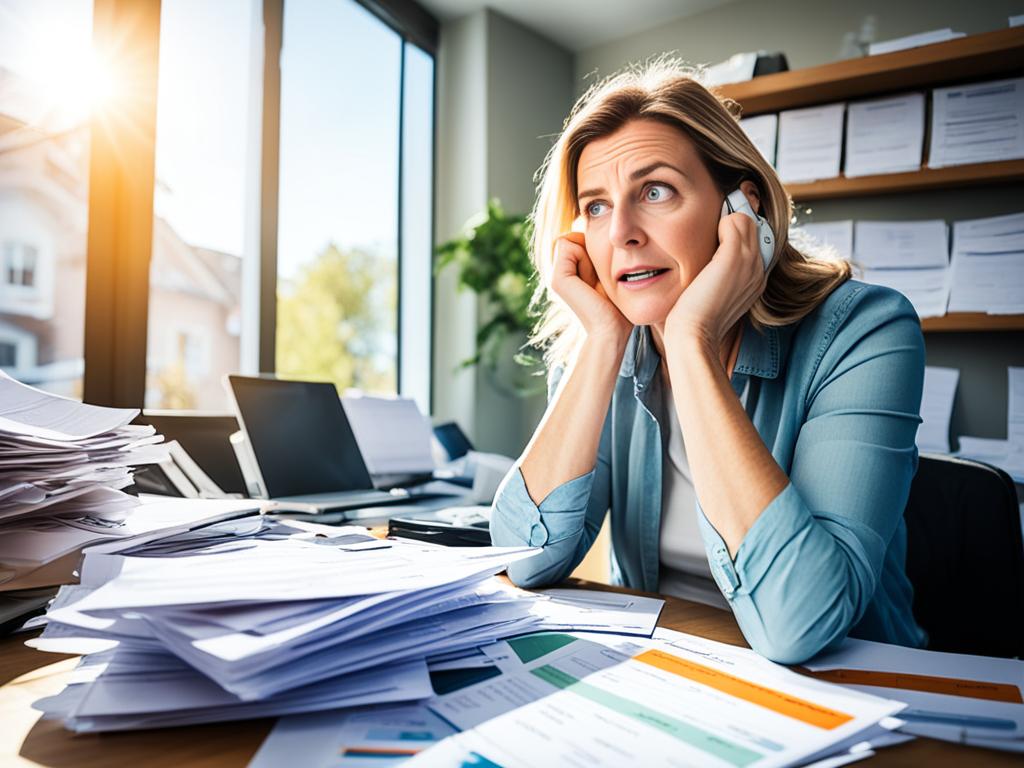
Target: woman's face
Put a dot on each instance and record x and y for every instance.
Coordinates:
(651, 214)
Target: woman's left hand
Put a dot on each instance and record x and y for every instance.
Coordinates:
(724, 290)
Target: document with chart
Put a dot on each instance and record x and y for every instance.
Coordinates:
(675, 700)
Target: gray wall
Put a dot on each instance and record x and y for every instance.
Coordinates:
(811, 32)
(503, 94)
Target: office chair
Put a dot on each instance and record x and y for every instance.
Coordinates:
(965, 557)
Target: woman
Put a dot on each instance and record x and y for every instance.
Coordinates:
(757, 424)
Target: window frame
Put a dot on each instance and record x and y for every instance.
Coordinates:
(121, 189)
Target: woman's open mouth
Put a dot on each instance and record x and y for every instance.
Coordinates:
(641, 278)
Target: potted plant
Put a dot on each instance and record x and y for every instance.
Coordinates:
(492, 257)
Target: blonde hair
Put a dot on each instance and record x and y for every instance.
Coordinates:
(670, 92)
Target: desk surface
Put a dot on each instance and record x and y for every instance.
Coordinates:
(28, 675)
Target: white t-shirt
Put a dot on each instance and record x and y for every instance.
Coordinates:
(684, 568)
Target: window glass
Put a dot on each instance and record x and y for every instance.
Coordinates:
(417, 223)
(338, 199)
(49, 85)
(205, 227)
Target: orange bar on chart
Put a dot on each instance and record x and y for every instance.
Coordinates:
(950, 686)
(777, 701)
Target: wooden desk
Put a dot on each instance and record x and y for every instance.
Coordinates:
(28, 675)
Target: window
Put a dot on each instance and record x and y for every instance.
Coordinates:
(355, 232)
(48, 85)
(205, 204)
(20, 262)
(417, 223)
(337, 251)
(8, 355)
(290, 221)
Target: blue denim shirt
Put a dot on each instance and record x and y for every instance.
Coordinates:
(835, 397)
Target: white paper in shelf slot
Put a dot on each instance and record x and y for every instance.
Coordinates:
(913, 41)
(901, 244)
(988, 265)
(1015, 406)
(810, 143)
(937, 408)
(979, 123)
(763, 131)
(927, 289)
(835, 234)
(885, 135)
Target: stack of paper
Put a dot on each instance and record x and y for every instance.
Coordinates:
(987, 270)
(836, 235)
(937, 408)
(885, 136)
(909, 256)
(913, 41)
(975, 700)
(979, 123)
(254, 618)
(62, 467)
(810, 143)
(763, 130)
(674, 700)
(1006, 454)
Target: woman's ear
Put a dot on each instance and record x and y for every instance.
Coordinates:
(749, 189)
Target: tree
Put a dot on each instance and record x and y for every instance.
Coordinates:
(337, 321)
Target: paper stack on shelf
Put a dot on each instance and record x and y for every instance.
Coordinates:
(987, 270)
(979, 123)
(62, 467)
(937, 408)
(913, 41)
(1006, 454)
(909, 256)
(837, 235)
(884, 135)
(763, 130)
(810, 143)
(250, 619)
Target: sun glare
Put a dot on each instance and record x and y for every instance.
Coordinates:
(76, 84)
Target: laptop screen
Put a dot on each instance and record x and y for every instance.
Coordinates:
(300, 436)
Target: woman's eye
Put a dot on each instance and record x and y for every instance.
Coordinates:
(655, 193)
(596, 209)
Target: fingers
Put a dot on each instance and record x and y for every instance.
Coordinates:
(572, 260)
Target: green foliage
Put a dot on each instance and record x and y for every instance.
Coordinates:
(493, 260)
(336, 323)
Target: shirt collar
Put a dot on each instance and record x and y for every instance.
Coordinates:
(759, 354)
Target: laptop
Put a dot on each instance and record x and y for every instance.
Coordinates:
(297, 448)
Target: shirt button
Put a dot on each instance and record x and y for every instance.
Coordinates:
(538, 535)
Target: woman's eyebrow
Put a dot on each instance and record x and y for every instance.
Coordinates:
(634, 176)
(648, 169)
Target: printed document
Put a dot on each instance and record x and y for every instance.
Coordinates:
(885, 136)
(979, 123)
(676, 699)
(810, 143)
(937, 408)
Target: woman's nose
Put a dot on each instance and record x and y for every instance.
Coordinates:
(625, 231)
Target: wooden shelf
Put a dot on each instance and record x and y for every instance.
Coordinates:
(992, 54)
(972, 321)
(954, 177)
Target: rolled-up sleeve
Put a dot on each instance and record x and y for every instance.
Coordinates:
(807, 569)
(564, 524)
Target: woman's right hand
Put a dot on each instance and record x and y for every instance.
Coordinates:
(575, 281)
